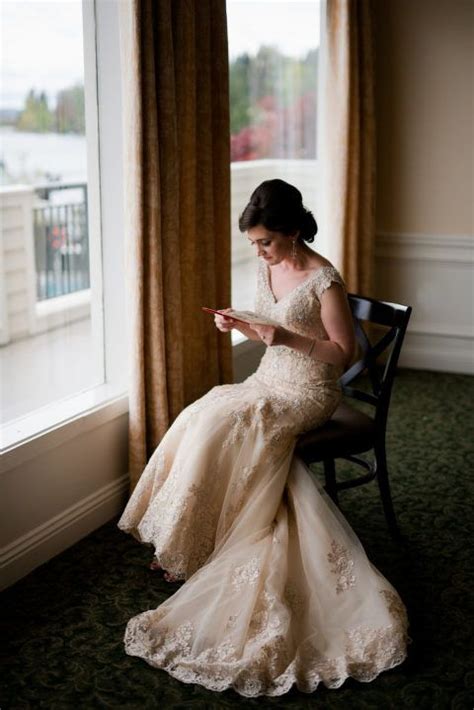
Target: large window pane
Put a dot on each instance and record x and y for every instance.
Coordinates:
(50, 300)
(273, 64)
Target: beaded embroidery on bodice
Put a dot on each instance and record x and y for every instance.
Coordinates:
(299, 311)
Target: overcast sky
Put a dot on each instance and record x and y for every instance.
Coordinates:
(292, 25)
(41, 47)
(41, 41)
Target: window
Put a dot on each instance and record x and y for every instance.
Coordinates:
(273, 65)
(57, 332)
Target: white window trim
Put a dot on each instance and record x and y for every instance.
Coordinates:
(27, 436)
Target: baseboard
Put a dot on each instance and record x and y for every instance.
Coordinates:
(39, 545)
(440, 353)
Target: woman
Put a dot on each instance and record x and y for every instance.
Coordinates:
(278, 588)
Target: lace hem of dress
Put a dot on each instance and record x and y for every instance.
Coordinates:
(269, 671)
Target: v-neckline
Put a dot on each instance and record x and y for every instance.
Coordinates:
(302, 283)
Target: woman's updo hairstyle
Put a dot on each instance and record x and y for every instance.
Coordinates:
(278, 206)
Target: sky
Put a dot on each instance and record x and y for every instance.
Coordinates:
(291, 25)
(41, 44)
(41, 48)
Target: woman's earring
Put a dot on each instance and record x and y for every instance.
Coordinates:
(293, 253)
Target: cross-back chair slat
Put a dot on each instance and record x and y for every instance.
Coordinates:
(351, 432)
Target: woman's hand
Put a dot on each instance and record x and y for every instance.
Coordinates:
(224, 324)
(227, 324)
(271, 334)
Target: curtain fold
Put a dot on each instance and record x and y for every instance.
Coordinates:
(347, 141)
(177, 209)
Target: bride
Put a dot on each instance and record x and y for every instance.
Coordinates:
(278, 589)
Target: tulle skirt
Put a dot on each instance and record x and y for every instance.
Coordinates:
(278, 589)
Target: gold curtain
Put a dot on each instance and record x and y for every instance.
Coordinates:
(347, 142)
(177, 208)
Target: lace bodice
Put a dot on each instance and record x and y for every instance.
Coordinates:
(298, 311)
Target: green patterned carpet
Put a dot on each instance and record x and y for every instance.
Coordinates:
(63, 624)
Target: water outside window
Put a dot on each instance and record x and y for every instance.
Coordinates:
(49, 349)
(273, 65)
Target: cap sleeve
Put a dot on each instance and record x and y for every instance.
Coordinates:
(325, 277)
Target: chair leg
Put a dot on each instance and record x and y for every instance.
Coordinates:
(385, 494)
(330, 476)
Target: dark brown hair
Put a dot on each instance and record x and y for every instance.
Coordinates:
(278, 206)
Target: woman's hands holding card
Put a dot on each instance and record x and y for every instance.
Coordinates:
(224, 324)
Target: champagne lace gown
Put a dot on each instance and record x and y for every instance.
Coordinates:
(278, 588)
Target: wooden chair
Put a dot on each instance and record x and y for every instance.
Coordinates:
(350, 431)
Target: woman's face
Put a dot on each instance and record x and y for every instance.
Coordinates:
(271, 246)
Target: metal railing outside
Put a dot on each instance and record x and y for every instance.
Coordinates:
(61, 242)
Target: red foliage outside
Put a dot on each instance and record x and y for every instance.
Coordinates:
(280, 132)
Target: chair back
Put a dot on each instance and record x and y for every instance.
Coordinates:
(393, 316)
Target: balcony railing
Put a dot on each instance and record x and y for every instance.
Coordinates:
(61, 242)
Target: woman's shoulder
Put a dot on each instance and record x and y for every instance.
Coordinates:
(325, 274)
(318, 261)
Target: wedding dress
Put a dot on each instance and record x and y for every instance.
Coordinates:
(278, 588)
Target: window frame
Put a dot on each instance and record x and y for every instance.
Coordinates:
(28, 436)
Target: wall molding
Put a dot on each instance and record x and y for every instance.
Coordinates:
(434, 273)
(438, 353)
(47, 540)
(443, 248)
